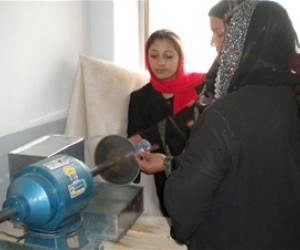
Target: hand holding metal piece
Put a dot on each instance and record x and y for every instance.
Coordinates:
(143, 146)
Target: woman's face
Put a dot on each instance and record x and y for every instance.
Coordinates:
(218, 28)
(163, 59)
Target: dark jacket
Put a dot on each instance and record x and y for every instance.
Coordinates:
(147, 108)
(237, 183)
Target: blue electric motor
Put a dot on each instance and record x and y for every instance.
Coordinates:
(43, 193)
(47, 198)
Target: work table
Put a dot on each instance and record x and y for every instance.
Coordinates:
(149, 232)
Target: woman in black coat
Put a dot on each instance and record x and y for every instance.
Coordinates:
(237, 183)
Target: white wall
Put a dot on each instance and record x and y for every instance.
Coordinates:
(101, 29)
(126, 39)
(39, 47)
(115, 31)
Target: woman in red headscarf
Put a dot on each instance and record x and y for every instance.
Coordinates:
(170, 91)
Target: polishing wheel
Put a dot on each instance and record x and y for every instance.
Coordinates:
(115, 162)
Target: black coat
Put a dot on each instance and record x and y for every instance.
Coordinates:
(237, 183)
(147, 108)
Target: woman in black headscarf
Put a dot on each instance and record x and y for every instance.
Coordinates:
(237, 183)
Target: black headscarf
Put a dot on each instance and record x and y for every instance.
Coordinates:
(223, 8)
(220, 9)
(271, 43)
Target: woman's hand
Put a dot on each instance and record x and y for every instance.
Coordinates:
(150, 163)
(135, 139)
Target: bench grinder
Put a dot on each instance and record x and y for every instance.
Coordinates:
(47, 197)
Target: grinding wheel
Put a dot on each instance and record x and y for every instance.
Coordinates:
(114, 157)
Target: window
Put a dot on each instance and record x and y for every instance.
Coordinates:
(189, 19)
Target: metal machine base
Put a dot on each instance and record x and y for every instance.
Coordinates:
(70, 236)
(112, 210)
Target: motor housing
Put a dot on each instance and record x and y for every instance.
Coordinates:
(50, 193)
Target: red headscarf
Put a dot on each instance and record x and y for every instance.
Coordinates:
(183, 86)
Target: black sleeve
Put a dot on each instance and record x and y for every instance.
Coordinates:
(142, 104)
(172, 132)
(178, 128)
(135, 122)
(167, 133)
(196, 176)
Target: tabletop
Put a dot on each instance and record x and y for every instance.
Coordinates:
(149, 232)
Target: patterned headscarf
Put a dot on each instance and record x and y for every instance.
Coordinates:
(234, 45)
